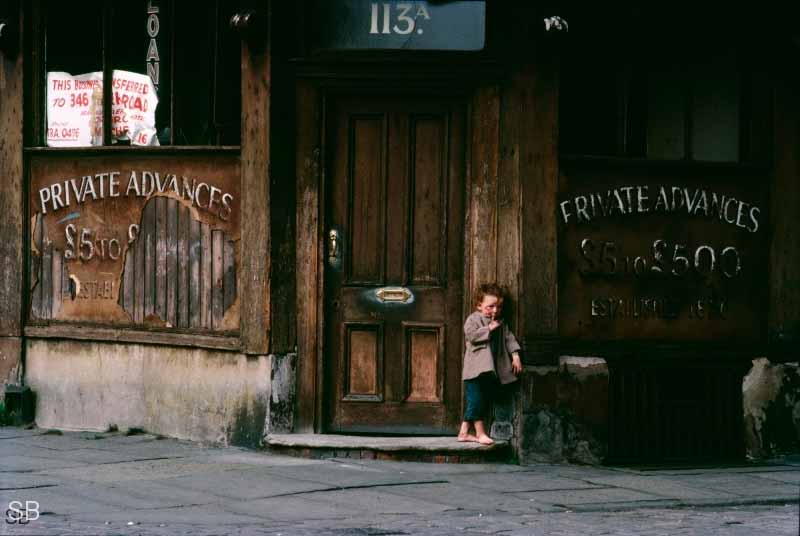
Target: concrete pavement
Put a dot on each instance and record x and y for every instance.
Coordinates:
(87, 483)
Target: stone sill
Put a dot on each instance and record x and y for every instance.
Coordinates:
(388, 444)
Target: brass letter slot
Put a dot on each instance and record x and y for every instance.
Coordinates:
(393, 294)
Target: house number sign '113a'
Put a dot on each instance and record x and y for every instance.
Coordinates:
(387, 25)
(405, 14)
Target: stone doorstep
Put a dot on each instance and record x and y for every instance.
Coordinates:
(417, 449)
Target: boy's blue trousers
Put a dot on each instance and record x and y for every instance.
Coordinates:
(479, 393)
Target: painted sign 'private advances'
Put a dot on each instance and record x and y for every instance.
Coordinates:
(136, 242)
(660, 258)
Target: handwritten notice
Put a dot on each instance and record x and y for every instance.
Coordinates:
(75, 109)
(133, 111)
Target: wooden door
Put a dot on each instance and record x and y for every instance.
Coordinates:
(393, 302)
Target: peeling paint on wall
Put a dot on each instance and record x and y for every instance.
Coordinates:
(10, 362)
(282, 402)
(771, 396)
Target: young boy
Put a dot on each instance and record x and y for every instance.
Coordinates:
(492, 354)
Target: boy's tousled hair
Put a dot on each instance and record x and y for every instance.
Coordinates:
(489, 289)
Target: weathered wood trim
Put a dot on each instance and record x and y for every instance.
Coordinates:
(12, 187)
(308, 255)
(136, 151)
(110, 335)
(509, 215)
(283, 321)
(784, 259)
(483, 225)
(254, 280)
(537, 112)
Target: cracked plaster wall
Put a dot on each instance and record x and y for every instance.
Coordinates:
(195, 394)
(565, 415)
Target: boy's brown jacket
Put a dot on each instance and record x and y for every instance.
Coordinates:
(478, 356)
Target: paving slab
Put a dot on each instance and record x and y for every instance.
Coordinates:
(93, 456)
(138, 470)
(666, 487)
(701, 470)
(746, 485)
(124, 498)
(166, 493)
(482, 500)
(575, 497)
(521, 481)
(292, 510)
(46, 441)
(789, 477)
(60, 500)
(23, 481)
(579, 472)
(10, 432)
(205, 515)
(153, 447)
(349, 475)
(234, 486)
(259, 459)
(26, 464)
(373, 501)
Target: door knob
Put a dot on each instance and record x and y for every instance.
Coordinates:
(334, 248)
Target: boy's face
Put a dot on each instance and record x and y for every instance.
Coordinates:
(490, 306)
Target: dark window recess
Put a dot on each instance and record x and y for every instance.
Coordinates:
(187, 48)
(660, 414)
(698, 98)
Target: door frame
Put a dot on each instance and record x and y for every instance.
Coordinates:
(312, 92)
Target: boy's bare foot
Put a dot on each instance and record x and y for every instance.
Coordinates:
(467, 437)
(485, 440)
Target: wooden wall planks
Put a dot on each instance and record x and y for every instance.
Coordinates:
(283, 268)
(49, 275)
(482, 228)
(784, 261)
(255, 161)
(12, 225)
(537, 86)
(309, 115)
(184, 266)
(195, 296)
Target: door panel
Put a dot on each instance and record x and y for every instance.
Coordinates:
(395, 196)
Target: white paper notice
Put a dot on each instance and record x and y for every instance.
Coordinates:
(75, 109)
(133, 112)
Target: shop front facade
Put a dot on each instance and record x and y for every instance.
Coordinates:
(241, 219)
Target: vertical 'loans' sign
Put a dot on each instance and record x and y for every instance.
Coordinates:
(363, 24)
